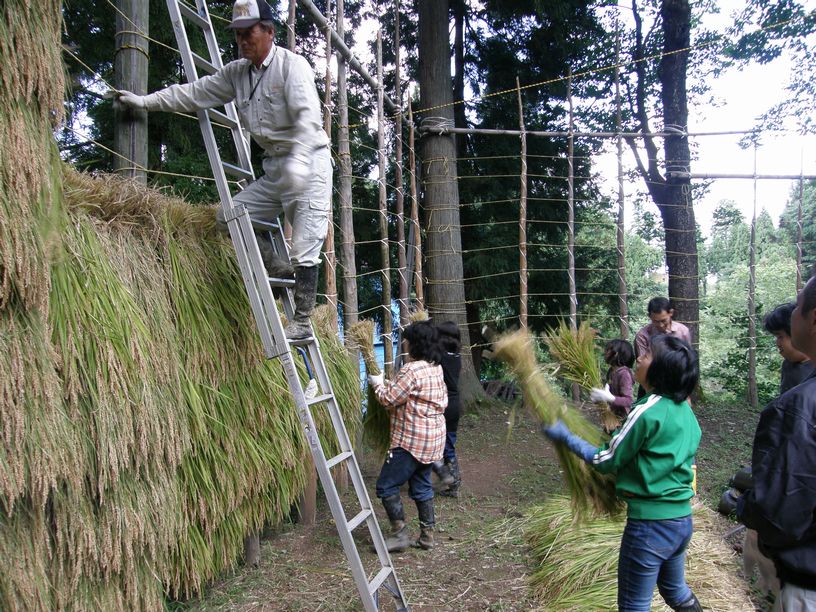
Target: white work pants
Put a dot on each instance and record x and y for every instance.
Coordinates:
(307, 211)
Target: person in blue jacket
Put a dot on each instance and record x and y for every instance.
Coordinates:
(652, 455)
(781, 505)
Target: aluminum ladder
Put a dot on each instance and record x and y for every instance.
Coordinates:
(318, 393)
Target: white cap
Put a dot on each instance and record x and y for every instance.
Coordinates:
(246, 13)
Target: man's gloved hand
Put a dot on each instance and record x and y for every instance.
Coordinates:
(375, 380)
(601, 395)
(559, 432)
(130, 99)
(296, 171)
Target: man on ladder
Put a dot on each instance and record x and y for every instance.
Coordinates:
(277, 102)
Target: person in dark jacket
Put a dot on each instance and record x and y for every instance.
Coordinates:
(448, 471)
(781, 506)
(796, 366)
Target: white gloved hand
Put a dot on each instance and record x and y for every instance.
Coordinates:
(601, 395)
(131, 99)
(375, 380)
(296, 171)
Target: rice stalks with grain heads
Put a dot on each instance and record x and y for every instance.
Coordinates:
(574, 349)
(377, 422)
(590, 491)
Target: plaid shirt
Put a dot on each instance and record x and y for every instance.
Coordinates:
(416, 400)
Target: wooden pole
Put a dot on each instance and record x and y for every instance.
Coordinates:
(799, 234)
(419, 287)
(623, 304)
(522, 217)
(130, 73)
(573, 297)
(349, 265)
(341, 46)
(330, 272)
(753, 399)
(290, 44)
(385, 259)
(399, 203)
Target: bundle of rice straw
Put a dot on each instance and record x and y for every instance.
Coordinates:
(376, 423)
(578, 362)
(590, 491)
(577, 565)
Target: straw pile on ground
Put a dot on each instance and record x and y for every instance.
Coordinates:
(574, 349)
(576, 565)
(377, 422)
(590, 491)
(143, 433)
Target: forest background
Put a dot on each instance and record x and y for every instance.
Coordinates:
(491, 44)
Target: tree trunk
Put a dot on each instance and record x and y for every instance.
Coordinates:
(676, 207)
(672, 193)
(445, 287)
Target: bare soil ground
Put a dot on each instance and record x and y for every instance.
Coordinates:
(480, 561)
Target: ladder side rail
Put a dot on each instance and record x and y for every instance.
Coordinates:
(261, 301)
(326, 480)
(363, 498)
(239, 135)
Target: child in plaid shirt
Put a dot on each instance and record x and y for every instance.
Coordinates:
(416, 401)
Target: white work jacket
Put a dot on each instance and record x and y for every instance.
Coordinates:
(282, 115)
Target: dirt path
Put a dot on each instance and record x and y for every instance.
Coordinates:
(480, 561)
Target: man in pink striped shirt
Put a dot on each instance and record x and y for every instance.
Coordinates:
(661, 313)
(416, 400)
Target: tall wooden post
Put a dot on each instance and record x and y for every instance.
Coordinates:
(385, 259)
(348, 263)
(799, 233)
(130, 73)
(330, 271)
(419, 286)
(623, 302)
(573, 296)
(522, 216)
(753, 399)
(399, 202)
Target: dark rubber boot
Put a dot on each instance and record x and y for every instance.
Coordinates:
(453, 468)
(692, 605)
(444, 473)
(398, 540)
(276, 266)
(425, 509)
(305, 295)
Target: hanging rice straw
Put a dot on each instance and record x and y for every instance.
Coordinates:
(376, 423)
(576, 565)
(590, 491)
(578, 363)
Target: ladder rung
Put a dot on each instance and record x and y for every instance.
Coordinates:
(281, 282)
(319, 399)
(301, 341)
(193, 16)
(205, 65)
(338, 459)
(237, 171)
(222, 119)
(358, 520)
(267, 226)
(375, 584)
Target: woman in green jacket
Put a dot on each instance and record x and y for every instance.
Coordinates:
(651, 455)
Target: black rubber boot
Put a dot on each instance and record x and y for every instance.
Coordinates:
(453, 467)
(305, 296)
(425, 509)
(398, 540)
(276, 266)
(443, 471)
(692, 605)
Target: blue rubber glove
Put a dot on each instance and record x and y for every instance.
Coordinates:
(559, 432)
